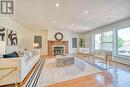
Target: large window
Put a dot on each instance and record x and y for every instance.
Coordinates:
(107, 40)
(123, 41)
(117, 41)
(104, 41)
(97, 41)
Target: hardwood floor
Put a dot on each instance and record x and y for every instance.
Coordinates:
(96, 80)
(117, 76)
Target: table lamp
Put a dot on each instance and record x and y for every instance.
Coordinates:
(35, 45)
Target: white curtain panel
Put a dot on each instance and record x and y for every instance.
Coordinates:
(2, 47)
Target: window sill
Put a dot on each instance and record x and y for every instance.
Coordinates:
(122, 57)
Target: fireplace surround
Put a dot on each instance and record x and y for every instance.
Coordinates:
(57, 47)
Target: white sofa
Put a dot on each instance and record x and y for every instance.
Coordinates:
(84, 50)
(21, 65)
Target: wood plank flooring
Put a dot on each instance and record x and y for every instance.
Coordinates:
(117, 76)
(97, 80)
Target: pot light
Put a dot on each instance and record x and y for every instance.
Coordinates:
(54, 22)
(57, 4)
(86, 12)
(72, 24)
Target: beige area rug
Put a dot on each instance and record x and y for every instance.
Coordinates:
(52, 74)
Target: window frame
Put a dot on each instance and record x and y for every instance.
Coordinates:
(102, 40)
(115, 42)
(108, 41)
(116, 47)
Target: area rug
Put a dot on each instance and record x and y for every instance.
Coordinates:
(52, 74)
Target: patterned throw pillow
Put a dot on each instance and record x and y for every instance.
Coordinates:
(28, 54)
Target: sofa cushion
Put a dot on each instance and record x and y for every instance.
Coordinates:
(11, 55)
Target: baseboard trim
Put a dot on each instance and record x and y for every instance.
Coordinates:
(121, 63)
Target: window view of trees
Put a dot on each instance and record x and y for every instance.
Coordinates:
(105, 41)
(120, 42)
(124, 41)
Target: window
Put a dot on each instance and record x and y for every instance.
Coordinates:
(104, 41)
(74, 42)
(107, 40)
(117, 41)
(97, 41)
(123, 41)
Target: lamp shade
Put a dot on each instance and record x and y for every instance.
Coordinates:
(2, 47)
(35, 45)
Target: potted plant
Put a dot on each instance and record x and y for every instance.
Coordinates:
(81, 43)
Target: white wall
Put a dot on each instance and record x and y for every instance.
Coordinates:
(25, 36)
(67, 37)
(22, 33)
(44, 34)
(117, 25)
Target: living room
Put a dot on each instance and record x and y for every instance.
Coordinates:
(63, 43)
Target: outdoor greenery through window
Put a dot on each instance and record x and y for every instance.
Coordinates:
(123, 36)
(105, 41)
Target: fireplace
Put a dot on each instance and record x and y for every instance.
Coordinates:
(57, 47)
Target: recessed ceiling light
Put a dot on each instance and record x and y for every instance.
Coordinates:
(86, 12)
(57, 4)
(72, 24)
(54, 22)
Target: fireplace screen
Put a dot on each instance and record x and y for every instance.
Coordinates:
(58, 50)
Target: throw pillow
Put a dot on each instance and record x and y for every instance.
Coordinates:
(11, 55)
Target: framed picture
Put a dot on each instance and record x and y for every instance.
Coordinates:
(2, 33)
(12, 38)
(38, 40)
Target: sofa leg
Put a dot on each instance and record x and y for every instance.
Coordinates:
(18, 84)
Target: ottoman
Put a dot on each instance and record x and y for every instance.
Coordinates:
(64, 60)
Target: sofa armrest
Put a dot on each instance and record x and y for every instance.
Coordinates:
(7, 62)
(14, 75)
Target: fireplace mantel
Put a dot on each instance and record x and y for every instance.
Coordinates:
(52, 43)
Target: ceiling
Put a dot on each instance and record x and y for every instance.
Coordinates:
(70, 15)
